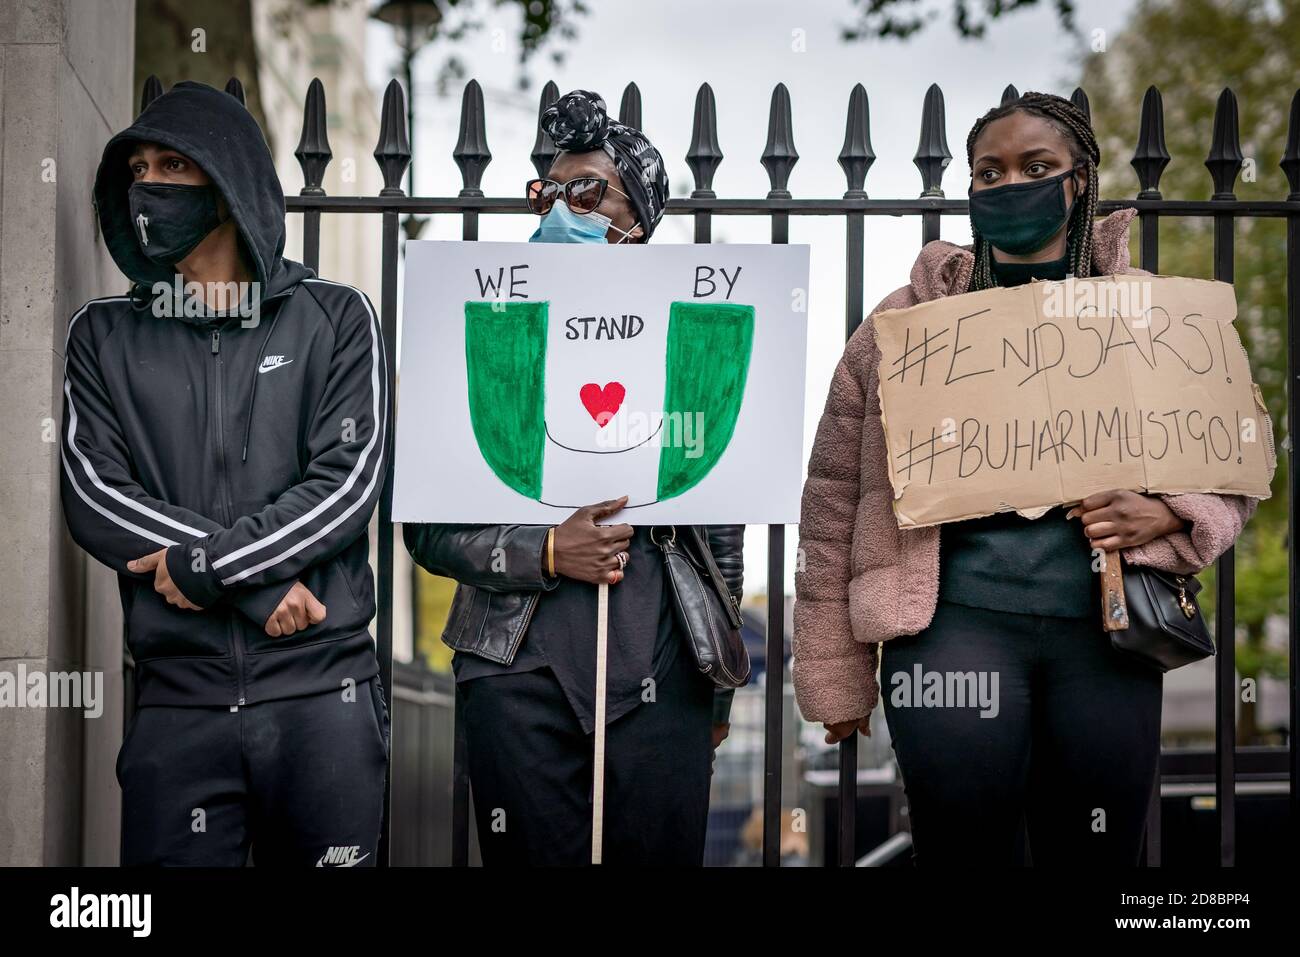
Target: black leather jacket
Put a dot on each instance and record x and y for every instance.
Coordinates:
(499, 571)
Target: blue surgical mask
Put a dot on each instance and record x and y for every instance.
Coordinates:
(563, 225)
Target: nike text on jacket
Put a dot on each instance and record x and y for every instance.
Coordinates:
(252, 449)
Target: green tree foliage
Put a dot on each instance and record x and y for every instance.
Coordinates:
(900, 19)
(212, 40)
(1191, 50)
(542, 25)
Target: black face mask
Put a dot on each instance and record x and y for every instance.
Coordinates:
(170, 219)
(1020, 218)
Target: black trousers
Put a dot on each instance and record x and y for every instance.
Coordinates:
(299, 780)
(1068, 761)
(531, 768)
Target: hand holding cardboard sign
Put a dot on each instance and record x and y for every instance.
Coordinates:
(1123, 519)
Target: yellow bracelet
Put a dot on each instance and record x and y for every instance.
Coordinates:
(550, 551)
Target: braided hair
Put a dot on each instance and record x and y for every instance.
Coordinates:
(1073, 125)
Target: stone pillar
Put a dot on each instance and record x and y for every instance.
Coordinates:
(66, 84)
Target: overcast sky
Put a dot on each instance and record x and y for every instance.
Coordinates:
(743, 48)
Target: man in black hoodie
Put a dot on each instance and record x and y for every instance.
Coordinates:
(225, 436)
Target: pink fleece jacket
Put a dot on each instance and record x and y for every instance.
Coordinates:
(863, 580)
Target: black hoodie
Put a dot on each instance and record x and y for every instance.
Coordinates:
(252, 449)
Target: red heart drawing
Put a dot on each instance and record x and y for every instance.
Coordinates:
(602, 403)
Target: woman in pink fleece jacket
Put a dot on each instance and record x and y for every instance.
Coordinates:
(1063, 741)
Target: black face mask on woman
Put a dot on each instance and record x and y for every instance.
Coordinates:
(1020, 218)
(170, 219)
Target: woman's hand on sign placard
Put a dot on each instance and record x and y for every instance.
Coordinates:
(1123, 519)
(588, 551)
(839, 730)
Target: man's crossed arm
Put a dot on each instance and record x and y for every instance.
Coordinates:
(255, 564)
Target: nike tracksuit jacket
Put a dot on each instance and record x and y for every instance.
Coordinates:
(253, 451)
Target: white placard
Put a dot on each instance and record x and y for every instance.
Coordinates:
(536, 378)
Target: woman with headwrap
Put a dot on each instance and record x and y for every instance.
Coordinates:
(523, 621)
(595, 148)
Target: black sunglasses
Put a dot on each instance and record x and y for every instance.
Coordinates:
(582, 195)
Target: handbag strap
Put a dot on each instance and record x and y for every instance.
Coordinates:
(720, 583)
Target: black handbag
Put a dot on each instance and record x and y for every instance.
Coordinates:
(1165, 626)
(704, 608)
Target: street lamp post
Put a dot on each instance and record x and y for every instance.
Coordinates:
(416, 22)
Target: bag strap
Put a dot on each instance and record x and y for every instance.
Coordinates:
(669, 543)
(720, 583)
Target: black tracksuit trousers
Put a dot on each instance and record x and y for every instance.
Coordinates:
(299, 780)
(1068, 760)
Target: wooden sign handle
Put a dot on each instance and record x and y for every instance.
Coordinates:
(598, 764)
(1114, 609)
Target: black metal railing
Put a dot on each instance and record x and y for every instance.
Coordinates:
(1225, 160)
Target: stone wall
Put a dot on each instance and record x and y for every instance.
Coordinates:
(65, 87)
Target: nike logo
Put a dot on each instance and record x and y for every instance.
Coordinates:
(272, 362)
(341, 857)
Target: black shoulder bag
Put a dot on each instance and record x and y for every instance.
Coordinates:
(1165, 626)
(704, 607)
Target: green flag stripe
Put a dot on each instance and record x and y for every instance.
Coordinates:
(709, 345)
(505, 364)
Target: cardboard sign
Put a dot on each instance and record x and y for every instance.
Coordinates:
(538, 378)
(1038, 395)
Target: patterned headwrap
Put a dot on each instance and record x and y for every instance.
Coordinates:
(577, 123)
